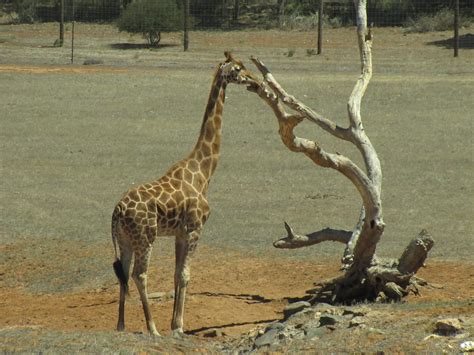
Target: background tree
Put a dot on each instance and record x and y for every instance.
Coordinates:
(150, 18)
(366, 276)
(208, 13)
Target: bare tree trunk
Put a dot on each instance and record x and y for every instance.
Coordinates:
(281, 12)
(366, 276)
(236, 12)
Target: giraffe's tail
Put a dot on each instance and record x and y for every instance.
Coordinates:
(118, 267)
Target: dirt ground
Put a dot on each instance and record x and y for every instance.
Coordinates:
(61, 177)
(234, 295)
(233, 302)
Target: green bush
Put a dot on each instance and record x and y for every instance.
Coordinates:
(308, 23)
(150, 18)
(443, 20)
(25, 10)
(208, 13)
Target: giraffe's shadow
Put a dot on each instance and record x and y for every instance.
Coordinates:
(229, 325)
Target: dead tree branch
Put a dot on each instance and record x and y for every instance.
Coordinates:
(293, 240)
(366, 276)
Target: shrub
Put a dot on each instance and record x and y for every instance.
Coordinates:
(299, 22)
(443, 20)
(208, 13)
(25, 10)
(150, 18)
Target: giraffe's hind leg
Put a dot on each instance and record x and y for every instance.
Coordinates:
(185, 246)
(125, 261)
(142, 258)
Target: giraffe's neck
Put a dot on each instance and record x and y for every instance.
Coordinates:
(207, 148)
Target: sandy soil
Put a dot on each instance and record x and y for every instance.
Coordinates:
(233, 294)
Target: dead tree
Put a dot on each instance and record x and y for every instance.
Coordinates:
(366, 276)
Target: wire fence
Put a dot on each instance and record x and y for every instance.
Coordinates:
(231, 14)
(151, 18)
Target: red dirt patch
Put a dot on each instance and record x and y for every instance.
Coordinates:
(233, 294)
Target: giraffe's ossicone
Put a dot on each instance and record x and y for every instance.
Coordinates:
(174, 205)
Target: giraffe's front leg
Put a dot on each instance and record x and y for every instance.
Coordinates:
(185, 247)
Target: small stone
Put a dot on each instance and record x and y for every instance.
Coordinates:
(448, 326)
(375, 331)
(356, 321)
(296, 307)
(356, 311)
(467, 346)
(327, 308)
(315, 332)
(267, 339)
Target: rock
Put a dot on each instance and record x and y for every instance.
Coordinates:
(327, 308)
(356, 311)
(269, 338)
(356, 321)
(467, 346)
(296, 307)
(375, 331)
(393, 291)
(330, 319)
(315, 332)
(448, 326)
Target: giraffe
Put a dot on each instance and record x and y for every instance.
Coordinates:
(174, 205)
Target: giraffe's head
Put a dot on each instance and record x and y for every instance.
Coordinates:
(234, 71)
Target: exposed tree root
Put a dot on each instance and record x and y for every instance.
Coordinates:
(383, 281)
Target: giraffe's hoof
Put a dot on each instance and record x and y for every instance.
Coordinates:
(120, 328)
(178, 333)
(155, 334)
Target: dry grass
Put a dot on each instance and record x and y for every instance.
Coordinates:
(74, 138)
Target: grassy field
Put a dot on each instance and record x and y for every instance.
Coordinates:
(74, 138)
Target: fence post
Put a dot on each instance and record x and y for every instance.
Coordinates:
(61, 23)
(236, 12)
(186, 25)
(456, 28)
(72, 33)
(320, 26)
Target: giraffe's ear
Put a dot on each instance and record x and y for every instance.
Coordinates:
(228, 55)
